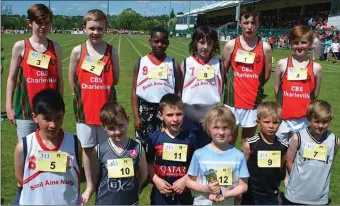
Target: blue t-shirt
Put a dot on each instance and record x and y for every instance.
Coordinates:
(206, 158)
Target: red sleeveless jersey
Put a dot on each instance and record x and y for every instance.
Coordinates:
(91, 92)
(32, 79)
(295, 95)
(244, 84)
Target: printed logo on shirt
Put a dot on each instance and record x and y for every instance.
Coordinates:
(31, 162)
(257, 58)
(52, 61)
(133, 154)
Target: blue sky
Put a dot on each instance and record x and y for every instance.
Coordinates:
(147, 8)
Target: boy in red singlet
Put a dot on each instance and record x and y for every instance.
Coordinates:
(35, 66)
(297, 81)
(93, 74)
(247, 64)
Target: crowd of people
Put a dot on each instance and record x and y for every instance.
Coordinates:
(185, 140)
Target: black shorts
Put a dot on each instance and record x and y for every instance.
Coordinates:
(156, 198)
(148, 114)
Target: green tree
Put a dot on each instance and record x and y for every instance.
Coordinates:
(129, 19)
(172, 14)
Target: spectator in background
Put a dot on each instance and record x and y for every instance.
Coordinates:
(310, 22)
(335, 47)
(316, 46)
(328, 43)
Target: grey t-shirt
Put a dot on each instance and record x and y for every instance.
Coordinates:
(309, 178)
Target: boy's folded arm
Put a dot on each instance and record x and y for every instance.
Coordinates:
(242, 187)
(196, 186)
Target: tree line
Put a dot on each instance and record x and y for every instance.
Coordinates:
(128, 19)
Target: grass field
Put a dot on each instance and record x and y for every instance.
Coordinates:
(130, 48)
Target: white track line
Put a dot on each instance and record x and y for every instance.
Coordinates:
(119, 45)
(133, 46)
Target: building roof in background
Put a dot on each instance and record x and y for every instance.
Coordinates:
(217, 6)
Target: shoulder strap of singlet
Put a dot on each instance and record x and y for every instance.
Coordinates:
(140, 149)
(76, 149)
(140, 58)
(220, 66)
(185, 67)
(174, 67)
(24, 144)
(50, 45)
(299, 140)
(336, 141)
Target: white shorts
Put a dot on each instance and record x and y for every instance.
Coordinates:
(288, 127)
(25, 127)
(244, 117)
(90, 135)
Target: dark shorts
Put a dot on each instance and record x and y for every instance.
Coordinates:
(148, 114)
(17, 196)
(336, 55)
(156, 198)
(251, 200)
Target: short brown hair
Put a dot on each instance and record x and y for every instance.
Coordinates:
(270, 108)
(111, 113)
(247, 12)
(219, 113)
(299, 31)
(171, 100)
(320, 110)
(38, 13)
(94, 15)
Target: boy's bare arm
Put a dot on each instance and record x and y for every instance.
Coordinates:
(280, 67)
(17, 53)
(267, 50)
(142, 168)
(59, 68)
(227, 52)
(19, 163)
(291, 152)
(163, 186)
(194, 185)
(242, 187)
(116, 66)
(179, 80)
(74, 61)
(318, 77)
(134, 99)
(246, 149)
(91, 167)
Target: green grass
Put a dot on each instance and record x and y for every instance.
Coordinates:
(130, 48)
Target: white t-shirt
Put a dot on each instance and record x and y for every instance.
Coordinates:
(335, 47)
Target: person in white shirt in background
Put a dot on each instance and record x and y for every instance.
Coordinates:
(335, 47)
(316, 47)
